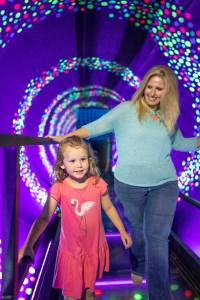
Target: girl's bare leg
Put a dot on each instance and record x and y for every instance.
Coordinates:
(69, 298)
(89, 295)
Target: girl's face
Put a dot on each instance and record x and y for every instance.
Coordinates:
(154, 91)
(75, 162)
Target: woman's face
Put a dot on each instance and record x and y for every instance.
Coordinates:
(154, 91)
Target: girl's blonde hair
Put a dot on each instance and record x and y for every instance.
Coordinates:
(60, 174)
(169, 106)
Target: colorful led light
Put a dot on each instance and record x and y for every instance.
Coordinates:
(170, 27)
(137, 296)
(27, 290)
(117, 282)
(174, 287)
(188, 293)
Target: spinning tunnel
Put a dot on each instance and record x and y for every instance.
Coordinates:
(63, 64)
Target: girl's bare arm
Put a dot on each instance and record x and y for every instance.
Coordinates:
(37, 228)
(113, 215)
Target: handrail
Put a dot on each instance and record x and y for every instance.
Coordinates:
(190, 200)
(20, 140)
(11, 144)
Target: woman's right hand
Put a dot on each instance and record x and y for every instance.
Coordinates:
(25, 251)
(55, 138)
(81, 132)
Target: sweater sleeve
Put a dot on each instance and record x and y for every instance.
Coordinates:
(181, 143)
(105, 123)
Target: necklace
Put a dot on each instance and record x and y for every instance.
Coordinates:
(155, 116)
(154, 113)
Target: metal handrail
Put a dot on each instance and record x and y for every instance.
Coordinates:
(22, 140)
(190, 200)
(11, 144)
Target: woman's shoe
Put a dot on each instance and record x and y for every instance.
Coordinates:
(137, 279)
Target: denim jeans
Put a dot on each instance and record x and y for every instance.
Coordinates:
(150, 212)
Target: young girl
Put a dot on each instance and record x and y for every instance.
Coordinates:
(83, 252)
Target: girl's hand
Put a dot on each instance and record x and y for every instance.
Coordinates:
(25, 251)
(55, 138)
(126, 239)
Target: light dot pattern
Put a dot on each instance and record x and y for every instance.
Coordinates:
(26, 289)
(167, 22)
(189, 178)
(17, 17)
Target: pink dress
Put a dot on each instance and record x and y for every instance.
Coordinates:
(83, 252)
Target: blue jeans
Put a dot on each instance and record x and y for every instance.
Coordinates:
(150, 212)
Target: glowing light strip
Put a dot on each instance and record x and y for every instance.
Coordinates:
(1, 254)
(112, 235)
(117, 282)
(41, 270)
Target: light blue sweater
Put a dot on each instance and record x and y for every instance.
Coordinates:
(143, 147)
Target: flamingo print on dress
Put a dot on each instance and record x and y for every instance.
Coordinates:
(85, 207)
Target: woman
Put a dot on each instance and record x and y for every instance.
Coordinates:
(145, 178)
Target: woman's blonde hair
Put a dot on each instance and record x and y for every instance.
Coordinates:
(60, 174)
(169, 106)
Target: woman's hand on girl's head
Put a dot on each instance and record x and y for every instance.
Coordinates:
(126, 239)
(55, 138)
